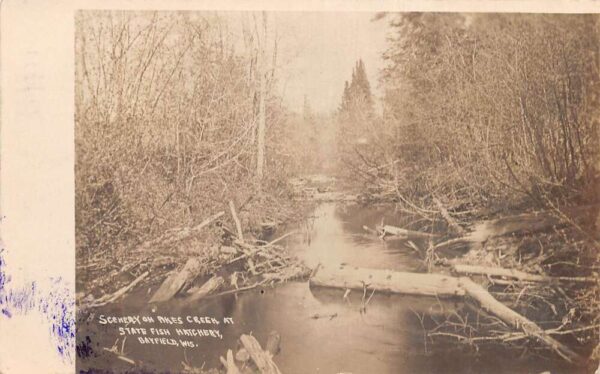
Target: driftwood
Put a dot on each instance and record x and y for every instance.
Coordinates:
(465, 240)
(397, 231)
(238, 225)
(274, 241)
(370, 230)
(207, 288)
(439, 286)
(387, 281)
(167, 239)
(261, 359)
(516, 274)
(176, 281)
(174, 236)
(526, 223)
(122, 357)
(521, 224)
(237, 290)
(107, 299)
(229, 363)
(451, 221)
(487, 302)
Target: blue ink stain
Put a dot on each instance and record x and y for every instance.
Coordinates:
(57, 305)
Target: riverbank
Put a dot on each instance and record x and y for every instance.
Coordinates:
(399, 330)
(522, 260)
(235, 244)
(541, 262)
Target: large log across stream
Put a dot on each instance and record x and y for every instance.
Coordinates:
(387, 281)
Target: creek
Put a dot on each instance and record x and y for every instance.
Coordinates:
(321, 331)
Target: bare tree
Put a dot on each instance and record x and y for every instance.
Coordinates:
(260, 153)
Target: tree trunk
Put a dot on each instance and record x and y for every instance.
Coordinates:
(397, 231)
(487, 302)
(177, 281)
(238, 224)
(451, 221)
(517, 275)
(262, 359)
(107, 299)
(387, 281)
(439, 286)
(207, 288)
(260, 157)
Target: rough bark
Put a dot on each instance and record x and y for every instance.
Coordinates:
(176, 281)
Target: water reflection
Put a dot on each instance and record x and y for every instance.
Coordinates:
(321, 332)
(339, 238)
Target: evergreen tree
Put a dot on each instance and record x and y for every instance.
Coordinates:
(345, 106)
(357, 100)
(360, 87)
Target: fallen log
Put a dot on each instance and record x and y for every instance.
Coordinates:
(176, 281)
(451, 221)
(272, 242)
(122, 357)
(241, 289)
(465, 240)
(107, 299)
(439, 286)
(387, 281)
(207, 288)
(526, 223)
(488, 303)
(370, 230)
(173, 236)
(516, 274)
(261, 359)
(238, 225)
(229, 363)
(397, 231)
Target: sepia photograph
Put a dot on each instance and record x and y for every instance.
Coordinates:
(336, 192)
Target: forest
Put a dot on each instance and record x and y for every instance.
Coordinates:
(476, 145)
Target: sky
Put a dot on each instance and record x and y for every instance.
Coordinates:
(318, 50)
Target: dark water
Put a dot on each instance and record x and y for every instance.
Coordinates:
(387, 338)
